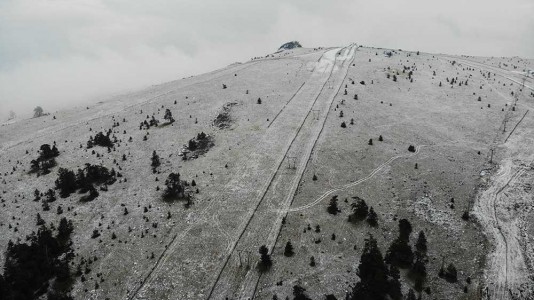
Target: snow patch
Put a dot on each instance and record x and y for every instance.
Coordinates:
(425, 208)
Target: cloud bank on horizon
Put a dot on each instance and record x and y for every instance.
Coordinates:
(59, 53)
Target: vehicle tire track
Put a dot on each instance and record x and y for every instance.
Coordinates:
(264, 190)
(357, 182)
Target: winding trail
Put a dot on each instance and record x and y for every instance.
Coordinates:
(355, 183)
(506, 270)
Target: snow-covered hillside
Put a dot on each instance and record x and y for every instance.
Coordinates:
(285, 149)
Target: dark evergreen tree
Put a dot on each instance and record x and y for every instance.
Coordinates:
(265, 259)
(400, 253)
(64, 229)
(168, 116)
(155, 161)
(451, 275)
(420, 245)
(373, 284)
(405, 229)
(332, 206)
(66, 182)
(288, 250)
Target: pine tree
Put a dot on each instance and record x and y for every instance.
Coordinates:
(332, 206)
(405, 229)
(399, 253)
(373, 274)
(288, 250)
(168, 116)
(451, 275)
(420, 245)
(265, 259)
(155, 161)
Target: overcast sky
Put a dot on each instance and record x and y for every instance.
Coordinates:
(58, 53)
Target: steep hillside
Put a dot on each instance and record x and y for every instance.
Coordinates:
(287, 148)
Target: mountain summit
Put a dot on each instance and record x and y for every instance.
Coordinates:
(290, 45)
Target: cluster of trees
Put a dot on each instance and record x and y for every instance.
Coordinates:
(378, 281)
(100, 139)
(147, 125)
(84, 180)
(46, 198)
(200, 144)
(45, 161)
(39, 266)
(175, 189)
(400, 254)
(361, 211)
(153, 122)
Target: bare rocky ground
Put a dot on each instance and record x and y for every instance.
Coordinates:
(256, 183)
